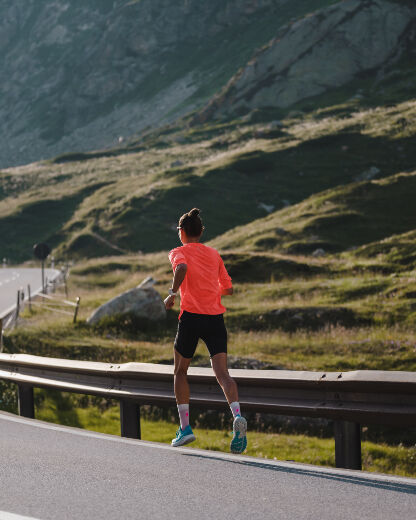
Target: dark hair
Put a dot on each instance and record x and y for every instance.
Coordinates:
(191, 223)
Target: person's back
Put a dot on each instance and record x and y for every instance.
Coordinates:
(202, 279)
(205, 280)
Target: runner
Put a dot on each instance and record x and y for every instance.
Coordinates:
(200, 274)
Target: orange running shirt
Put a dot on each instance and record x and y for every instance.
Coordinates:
(205, 278)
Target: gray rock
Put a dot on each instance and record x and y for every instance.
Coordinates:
(176, 164)
(281, 231)
(369, 174)
(326, 50)
(143, 301)
(276, 124)
(267, 207)
(319, 252)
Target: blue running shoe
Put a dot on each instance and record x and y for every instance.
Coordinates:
(183, 436)
(239, 442)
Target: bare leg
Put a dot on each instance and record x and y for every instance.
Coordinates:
(226, 382)
(229, 387)
(181, 385)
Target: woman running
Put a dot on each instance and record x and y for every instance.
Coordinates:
(200, 274)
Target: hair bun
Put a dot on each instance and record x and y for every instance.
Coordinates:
(194, 212)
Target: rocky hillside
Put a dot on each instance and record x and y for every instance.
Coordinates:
(127, 198)
(367, 40)
(92, 205)
(77, 76)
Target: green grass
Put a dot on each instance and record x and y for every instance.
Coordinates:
(335, 220)
(358, 283)
(335, 313)
(353, 308)
(132, 200)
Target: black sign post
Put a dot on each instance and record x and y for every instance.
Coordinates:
(41, 251)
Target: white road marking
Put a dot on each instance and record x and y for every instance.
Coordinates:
(212, 454)
(4, 515)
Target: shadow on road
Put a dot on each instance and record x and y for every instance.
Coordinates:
(357, 480)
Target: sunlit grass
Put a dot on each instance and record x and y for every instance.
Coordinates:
(118, 198)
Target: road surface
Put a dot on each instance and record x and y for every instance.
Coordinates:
(11, 280)
(49, 472)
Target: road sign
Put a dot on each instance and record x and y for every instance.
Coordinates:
(41, 251)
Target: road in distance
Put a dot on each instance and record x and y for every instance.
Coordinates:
(13, 279)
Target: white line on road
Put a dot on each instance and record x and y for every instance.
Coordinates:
(212, 454)
(4, 515)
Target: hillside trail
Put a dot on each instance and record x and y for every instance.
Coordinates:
(109, 244)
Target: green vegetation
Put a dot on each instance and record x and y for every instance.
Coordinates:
(291, 338)
(335, 220)
(312, 209)
(111, 204)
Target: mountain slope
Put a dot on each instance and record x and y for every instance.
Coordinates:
(236, 173)
(335, 220)
(365, 41)
(78, 75)
(128, 198)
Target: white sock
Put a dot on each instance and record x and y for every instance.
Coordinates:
(235, 408)
(183, 410)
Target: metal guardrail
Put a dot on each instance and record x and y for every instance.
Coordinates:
(348, 398)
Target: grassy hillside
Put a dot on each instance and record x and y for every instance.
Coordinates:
(355, 310)
(335, 220)
(348, 311)
(335, 173)
(128, 199)
(116, 202)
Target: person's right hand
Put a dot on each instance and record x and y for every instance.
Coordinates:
(169, 302)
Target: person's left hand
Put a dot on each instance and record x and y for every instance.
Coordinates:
(169, 302)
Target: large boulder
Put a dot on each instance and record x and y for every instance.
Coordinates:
(142, 301)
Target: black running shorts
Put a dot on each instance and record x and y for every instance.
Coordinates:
(210, 328)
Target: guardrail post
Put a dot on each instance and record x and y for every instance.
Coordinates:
(347, 445)
(18, 304)
(29, 297)
(130, 419)
(26, 401)
(76, 310)
(1, 335)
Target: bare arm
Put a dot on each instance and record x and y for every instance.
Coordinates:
(178, 278)
(224, 280)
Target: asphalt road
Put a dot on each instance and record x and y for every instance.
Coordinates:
(11, 280)
(49, 472)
